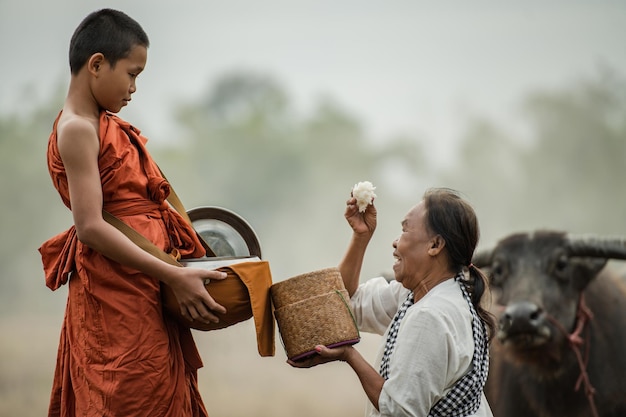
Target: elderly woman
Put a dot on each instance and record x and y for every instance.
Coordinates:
(434, 361)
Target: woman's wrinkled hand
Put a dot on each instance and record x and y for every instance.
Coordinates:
(361, 223)
(323, 355)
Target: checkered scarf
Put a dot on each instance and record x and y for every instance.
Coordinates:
(464, 398)
(393, 334)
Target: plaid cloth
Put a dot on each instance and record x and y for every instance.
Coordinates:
(390, 344)
(465, 396)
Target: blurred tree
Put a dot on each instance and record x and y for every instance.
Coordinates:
(240, 143)
(578, 163)
(567, 174)
(30, 207)
(246, 130)
(489, 175)
(248, 150)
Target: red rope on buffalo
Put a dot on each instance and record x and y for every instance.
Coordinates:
(583, 315)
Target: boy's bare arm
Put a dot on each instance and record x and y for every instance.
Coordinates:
(79, 148)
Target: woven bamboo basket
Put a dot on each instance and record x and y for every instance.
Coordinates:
(313, 309)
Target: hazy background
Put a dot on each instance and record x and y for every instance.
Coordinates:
(274, 109)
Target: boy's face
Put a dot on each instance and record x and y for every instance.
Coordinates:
(113, 86)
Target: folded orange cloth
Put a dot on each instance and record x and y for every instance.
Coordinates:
(258, 279)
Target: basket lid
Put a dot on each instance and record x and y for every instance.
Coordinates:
(226, 233)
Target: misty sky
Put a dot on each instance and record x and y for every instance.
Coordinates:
(400, 66)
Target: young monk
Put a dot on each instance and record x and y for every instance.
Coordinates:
(119, 354)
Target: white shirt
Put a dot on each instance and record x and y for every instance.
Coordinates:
(433, 350)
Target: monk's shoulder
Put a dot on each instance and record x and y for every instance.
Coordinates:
(77, 134)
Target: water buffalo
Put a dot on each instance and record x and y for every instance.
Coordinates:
(560, 348)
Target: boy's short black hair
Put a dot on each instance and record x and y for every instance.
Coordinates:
(111, 32)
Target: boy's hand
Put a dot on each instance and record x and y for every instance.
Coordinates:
(194, 300)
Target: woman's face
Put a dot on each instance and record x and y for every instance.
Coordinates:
(411, 248)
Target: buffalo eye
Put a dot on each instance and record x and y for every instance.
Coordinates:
(498, 272)
(560, 267)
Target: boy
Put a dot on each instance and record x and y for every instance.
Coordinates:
(119, 355)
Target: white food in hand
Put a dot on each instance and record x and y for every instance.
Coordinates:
(364, 194)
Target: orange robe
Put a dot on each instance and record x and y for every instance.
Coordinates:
(119, 355)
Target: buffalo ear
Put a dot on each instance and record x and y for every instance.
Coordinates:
(585, 270)
(483, 258)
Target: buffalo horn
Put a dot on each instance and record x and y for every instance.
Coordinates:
(599, 247)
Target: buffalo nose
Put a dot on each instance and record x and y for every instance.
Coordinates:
(521, 317)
